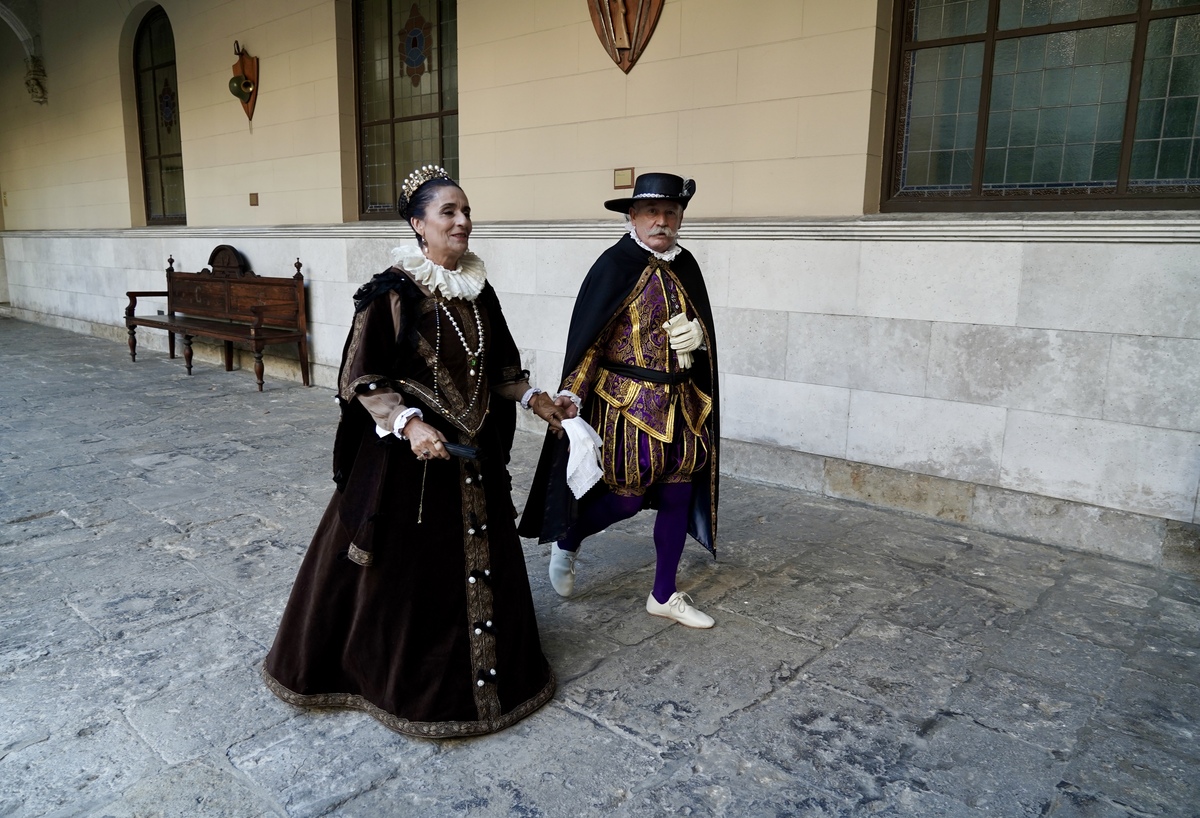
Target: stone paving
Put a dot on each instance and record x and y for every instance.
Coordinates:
(864, 663)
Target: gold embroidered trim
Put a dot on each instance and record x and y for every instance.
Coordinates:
(420, 729)
(359, 556)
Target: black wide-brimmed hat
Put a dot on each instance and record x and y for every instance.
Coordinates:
(656, 186)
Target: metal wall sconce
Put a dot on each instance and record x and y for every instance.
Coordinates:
(244, 84)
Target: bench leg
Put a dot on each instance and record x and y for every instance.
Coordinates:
(133, 342)
(229, 356)
(258, 365)
(170, 344)
(187, 352)
(304, 360)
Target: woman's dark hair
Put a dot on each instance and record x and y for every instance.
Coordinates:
(415, 207)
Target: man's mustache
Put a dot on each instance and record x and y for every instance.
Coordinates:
(663, 230)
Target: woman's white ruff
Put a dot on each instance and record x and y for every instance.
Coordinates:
(667, 256)
(466, 282)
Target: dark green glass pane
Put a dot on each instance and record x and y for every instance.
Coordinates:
(1031, 54)
(998, 123)
(1052, 126)
(941, 167)
(925, 65)
(1160, 39)
(1005, 61)
(963, 168)
(1149, 119)
(1089, 47)
(1180, 118)
(1010, 14)
(1144, 161)
(1023, 130)
(916, 171)
(1035, 13)
(976, 16)
(1110, 123)
(1173, 158)
(1187, 35)
(944, 128)
(968, 95)
(964, 137)
(973, 60)
(1104, 162)
(1027, 90)
(947, 97)
(1115, 86)
(951, 62)
(1081, 125)
(378, 189)
(1194, 166)
(1060, 49)
(1002, 92)
(920, 133)
(1170, 4)
(1085, 84)
(1119, 43)
(172, 181)
(993, 166)
(1077, 163)
(1064, 11)
(1056, 86)
(450, 145)
(1155, 74)
(1019, 169)
(1047, 164)
(162, 40)
(923, 98)
(153, 183)
(148, 109)
(1185, 77)
(417, 143)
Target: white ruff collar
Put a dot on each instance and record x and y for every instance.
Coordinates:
(466, 282)
(667, 256)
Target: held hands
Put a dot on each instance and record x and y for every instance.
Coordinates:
(553, 411)
(685, 338)
(426, 441)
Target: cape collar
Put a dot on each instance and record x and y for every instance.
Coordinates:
(466, 282)
(667, 256)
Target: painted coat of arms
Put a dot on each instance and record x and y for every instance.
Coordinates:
(624, 27)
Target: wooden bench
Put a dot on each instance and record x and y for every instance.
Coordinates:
(228, 302)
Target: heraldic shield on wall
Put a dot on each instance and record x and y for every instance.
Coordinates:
(624, 27)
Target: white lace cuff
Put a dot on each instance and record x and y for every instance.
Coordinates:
(574, 398)
(402, 420)
(528, 396)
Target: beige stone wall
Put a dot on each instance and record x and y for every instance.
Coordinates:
(776, 112)
(74, 162)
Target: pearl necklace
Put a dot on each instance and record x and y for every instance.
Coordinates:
(474, 357)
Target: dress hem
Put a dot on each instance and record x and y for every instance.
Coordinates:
(420, 729)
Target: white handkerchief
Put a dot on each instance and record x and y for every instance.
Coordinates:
(583, 464)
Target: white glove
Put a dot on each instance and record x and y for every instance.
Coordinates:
(685, 335)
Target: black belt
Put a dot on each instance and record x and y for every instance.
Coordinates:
(641, 373)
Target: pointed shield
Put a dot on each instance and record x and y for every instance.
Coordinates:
(624, 27)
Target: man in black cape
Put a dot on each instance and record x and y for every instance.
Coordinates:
(641, 367)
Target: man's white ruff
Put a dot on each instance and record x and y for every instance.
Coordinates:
(667, 256)
(466, 282)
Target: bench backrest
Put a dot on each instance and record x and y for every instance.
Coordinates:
(229, 290)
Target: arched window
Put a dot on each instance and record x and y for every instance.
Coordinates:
(407, 64)
(158, 120)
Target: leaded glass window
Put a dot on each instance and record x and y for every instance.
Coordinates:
(407, 67)
(1036, 104)
(158, 120)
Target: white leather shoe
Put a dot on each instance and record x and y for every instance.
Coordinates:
(679, 608)
(562, 570)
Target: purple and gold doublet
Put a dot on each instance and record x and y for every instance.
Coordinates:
(652, 432)
(655, 430)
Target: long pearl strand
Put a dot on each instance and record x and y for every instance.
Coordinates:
(474, 357)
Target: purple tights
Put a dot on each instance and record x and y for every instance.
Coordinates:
(670, 528)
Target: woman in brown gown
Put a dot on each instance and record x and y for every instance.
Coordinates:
(412, 602)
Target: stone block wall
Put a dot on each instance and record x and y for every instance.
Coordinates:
(1036, 377)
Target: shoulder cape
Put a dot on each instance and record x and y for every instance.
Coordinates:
(551, 507)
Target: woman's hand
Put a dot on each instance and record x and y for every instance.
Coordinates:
(425, 440)
(552, 411)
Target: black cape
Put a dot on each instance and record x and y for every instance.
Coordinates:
(551, 508)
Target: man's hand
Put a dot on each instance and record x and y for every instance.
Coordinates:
(684, 335)
(426, 441)
(552, 411)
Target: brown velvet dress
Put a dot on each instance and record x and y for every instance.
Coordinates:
(412, 602)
